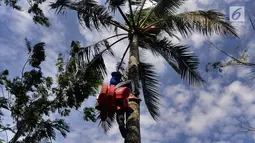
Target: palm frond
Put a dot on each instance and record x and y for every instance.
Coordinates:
(113, 4)
(140, 12)
(90, 13)
(131, 12)
(86, 80)
(61, 6)
(86, 70)
(96, 65)
(107, 124)
(139, 15)
(87, 54)
(164, 7)
(178, 56)
(150, 86)
(204, 22)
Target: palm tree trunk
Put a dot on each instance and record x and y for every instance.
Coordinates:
(133, 116)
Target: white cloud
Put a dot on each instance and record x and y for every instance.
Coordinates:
(208, 110)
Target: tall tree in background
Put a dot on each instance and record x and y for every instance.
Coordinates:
(31, 98)
(243, 57)
(151, 29)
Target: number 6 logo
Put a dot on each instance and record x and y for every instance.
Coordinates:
(236, 13)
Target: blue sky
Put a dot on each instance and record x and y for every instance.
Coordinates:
(189, 115)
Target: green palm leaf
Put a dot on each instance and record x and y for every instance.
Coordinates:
(150, 86)
(89, 76)
(107, 124)
(178, 56)
(61, 6)
(84, 73)
(167, 6)
(89, 12)
(204, 22)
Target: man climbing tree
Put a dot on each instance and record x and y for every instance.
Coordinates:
(151, 29)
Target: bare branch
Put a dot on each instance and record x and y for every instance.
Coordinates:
(235, 59)
(245, 126)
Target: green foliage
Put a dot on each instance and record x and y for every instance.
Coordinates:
(90, 14)
(241, 59)
(46, 128)
(13, 4)
(89, 114)
(3, 105)
(79, 79)
(49, 82)
(3, 76)
(38, 55)
(150, 86)
(31, 100)
(204, 22)
(32, 97)
(38, 15)
(179, 57)
(60, 64)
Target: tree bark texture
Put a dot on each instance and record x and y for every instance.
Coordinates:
(133, 116)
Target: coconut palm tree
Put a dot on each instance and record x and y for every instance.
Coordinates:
(146, 28)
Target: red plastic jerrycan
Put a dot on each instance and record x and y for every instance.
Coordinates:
(122, 92)
(111, 96)
(102, 98)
